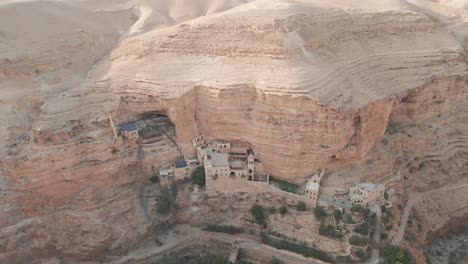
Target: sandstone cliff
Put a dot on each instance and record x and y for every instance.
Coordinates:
(308, 84)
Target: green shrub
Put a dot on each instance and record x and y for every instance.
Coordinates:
(383, 208)
(344, 259)
(338, 215)
(358, 240)
(285, 185)
(362, 229)
(276, 260)
(223, 229)
(301, 206)
(392, 128)
(396, 255)
(210, 259)
(349, 219)
(320, 213)
(258, 213)
(410, 237)
(360, 253)
(283, 210)
(329, 231)
(384, 236)
(272, 210)
(198, 176)
(154, 179)
(302, 249)
(166, 200)
(420, 228)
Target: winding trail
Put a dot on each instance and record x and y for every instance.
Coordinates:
(403, 223)
(375, 254)
(409, 205)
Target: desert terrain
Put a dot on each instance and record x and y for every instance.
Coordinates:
(371, 91)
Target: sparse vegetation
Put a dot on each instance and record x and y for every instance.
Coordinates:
(283, 210)
(302, 249)
(396, 255)
(384, 236)
(166, 200)
(410, 236)
(223, 229)
(360, 253)
(362, 229)
(285, 185)
(258, 213)
(301, 206)
(392, 128)
(320, 213)
(348, 219)
(272, 210)
(198, 176)
(154, 179)
(210, 259)
(329, 231)
(344, 259)
(358, 240)
(276, 260)
(338, 215)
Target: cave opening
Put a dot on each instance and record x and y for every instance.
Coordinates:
(155, 124)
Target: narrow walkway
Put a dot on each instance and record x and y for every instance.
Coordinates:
(375, 254)
(404, 221)
(409, 205)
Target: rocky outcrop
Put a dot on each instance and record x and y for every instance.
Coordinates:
(283, 83)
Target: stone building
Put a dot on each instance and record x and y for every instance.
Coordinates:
(165, 177)
(181, 170)
(366, 194)
(312, 187)
(229, 168)
(129, 131)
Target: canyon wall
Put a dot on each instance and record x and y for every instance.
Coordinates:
(292, 136)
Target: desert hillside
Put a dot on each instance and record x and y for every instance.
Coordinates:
(368, 90)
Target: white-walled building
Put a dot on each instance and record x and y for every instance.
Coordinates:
(366, 194)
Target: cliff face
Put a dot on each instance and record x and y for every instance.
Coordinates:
(308, 84)
(293, 136)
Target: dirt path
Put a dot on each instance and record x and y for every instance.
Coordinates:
(409, 205)
(375, 254)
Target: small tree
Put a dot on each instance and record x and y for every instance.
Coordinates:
(272, 210)
(283, 210)
(301, 206)
(396, 255)
(257, 212)
(198, 176)
(320, 213)
(276, 260)
(154, 179)
(338, 215)
(166, 200)
(348, 219)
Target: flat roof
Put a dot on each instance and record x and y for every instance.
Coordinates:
(181, 164)
(367, 186)
(237, 164)
(129, 127)
(164, 172)
(311, 185)
(219, 159)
